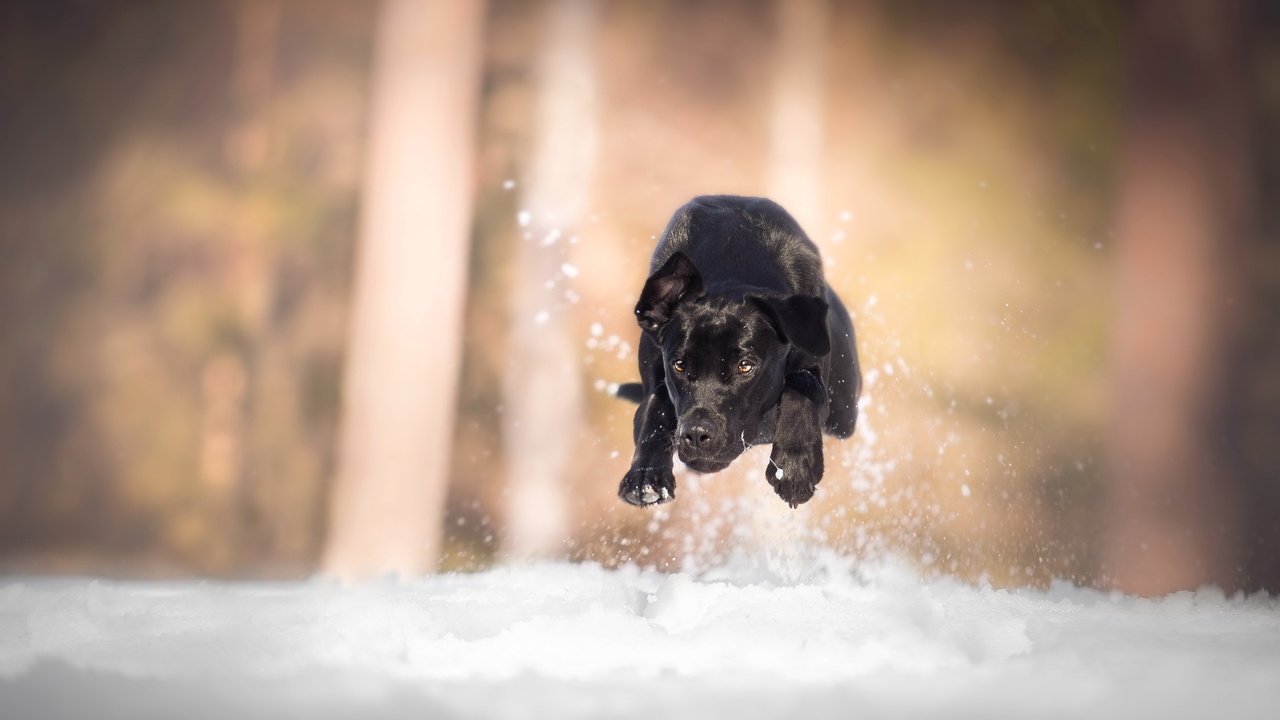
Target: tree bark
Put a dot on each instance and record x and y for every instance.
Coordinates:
(543, 383)
(406, 332)
(1171, 512)
(798, 109)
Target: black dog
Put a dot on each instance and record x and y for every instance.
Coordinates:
(742, 343)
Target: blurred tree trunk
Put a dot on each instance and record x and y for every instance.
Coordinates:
(798, 108)
(1172, 513)
(406, 332)
(543, 384)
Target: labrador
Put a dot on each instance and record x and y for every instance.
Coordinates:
(742, 343)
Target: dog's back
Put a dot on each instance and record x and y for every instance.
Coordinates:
(743, 243)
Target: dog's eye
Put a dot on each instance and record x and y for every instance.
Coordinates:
(678, 366)
(745, 366)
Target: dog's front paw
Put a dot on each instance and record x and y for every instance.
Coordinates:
(794, 474)
(644, 486)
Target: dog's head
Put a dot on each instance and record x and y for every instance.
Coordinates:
(725, 357)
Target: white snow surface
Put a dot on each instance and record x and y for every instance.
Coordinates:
(765, 637)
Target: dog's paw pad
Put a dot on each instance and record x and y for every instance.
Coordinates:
(797, 485)
(647, 486)
(795, 494)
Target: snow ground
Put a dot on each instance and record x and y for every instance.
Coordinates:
(804, 637)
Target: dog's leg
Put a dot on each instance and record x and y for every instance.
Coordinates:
(650, 479)
(844, 382)
(795, 465)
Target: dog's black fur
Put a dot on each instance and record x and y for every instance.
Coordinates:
(743, 342)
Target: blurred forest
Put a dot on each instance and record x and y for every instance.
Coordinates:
(1053, 222)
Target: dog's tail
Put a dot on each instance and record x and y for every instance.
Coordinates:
(632, 391)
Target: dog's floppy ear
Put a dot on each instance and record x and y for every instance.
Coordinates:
(673, 282)
(799, 319)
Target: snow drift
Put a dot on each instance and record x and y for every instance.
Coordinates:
(811, 636)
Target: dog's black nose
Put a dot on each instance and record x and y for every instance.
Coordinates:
(696, 436)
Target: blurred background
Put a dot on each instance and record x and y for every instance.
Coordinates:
(292, 286)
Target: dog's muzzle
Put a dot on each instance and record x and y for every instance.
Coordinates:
(701, 442)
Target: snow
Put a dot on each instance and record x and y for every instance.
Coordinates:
(787, 635)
